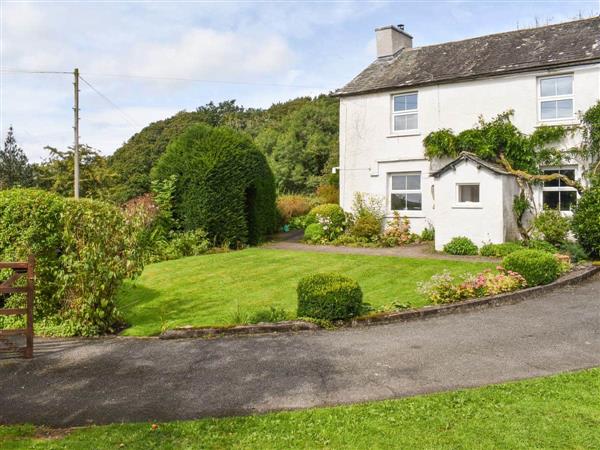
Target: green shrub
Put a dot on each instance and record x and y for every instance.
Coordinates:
(224, 185)
(179, 245)
(366, 226)
(586, 220)
(314, 232)
(329, 296)
(575, 251)
(536, 244)
(331, 211)
(536, 266)
(299, 223)
(331, 217)
(551, 226)
(500, 250)
(460, 245)
(428, 234)
(83, 248)
(269, 315)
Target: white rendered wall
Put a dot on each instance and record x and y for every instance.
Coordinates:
(369, 150)
(482, 222)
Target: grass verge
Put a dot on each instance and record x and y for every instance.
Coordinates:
(559, 412)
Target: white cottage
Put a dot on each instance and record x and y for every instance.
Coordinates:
(546, 75)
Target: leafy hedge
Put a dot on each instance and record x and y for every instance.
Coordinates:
(329, 296)
(83, 249)
(500, 250)
(586, 221)
(536, 266)
(224, 184)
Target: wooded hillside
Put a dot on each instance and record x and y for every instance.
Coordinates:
(299, 138)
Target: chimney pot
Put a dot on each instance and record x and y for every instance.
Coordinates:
(391, 39)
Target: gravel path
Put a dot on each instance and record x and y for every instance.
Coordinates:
(291, 241)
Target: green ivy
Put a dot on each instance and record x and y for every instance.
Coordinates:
(498, 136)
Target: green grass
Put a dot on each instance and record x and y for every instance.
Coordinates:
(558, 412)
(216, 289)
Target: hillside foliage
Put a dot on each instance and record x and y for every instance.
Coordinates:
(299, 138)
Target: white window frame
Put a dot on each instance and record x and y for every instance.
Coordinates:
(404, 113)
(467, 204)
(404, 191)
(551, 98)
(560, 188)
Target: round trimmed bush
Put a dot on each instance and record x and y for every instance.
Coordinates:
(331, 211)
(460, 245)
(329, 296)
(586, 220)
(536, 266)
(224, 184)
(314, 232)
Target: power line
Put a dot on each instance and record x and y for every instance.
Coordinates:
(110, 102)
(202, 80)
(36, 71)
(162, 78)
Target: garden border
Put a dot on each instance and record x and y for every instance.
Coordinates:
(508, 298)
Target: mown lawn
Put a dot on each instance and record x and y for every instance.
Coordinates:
(561, 412)
(217, 289)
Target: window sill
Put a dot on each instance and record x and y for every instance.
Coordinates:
(548, 123)
(467, 206)
(405, 213)
(404, 133)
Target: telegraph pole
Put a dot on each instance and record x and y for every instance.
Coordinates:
(76, 133)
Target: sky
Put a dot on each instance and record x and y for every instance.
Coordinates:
(147, 60)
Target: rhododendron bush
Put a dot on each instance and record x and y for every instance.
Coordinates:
(447, 288)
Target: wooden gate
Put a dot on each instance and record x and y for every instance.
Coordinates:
(9, 286)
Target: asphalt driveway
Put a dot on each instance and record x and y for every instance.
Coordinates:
(79, 381)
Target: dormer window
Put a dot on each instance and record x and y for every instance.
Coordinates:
(556, 98)
(405, 112)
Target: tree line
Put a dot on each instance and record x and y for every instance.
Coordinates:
(299, 138)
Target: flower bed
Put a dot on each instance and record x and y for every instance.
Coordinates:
(446, 288)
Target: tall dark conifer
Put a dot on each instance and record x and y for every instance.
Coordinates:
(14, 166)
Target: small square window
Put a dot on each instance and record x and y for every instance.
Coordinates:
(468, 193)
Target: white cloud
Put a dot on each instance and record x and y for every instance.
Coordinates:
(202, 52)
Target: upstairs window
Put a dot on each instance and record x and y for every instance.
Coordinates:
(556, 98)
(405, 192)
(404, 112)
(558, 195)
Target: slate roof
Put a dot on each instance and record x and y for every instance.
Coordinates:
(559, 45)
(466, 156)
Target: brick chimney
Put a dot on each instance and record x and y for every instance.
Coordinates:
(391, 39)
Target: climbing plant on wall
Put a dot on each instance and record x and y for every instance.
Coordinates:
(498, 140)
